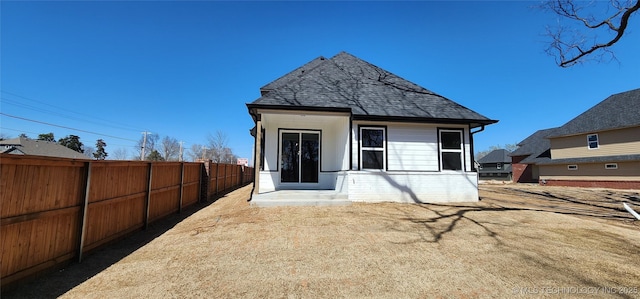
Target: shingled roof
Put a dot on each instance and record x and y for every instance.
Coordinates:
(347, 83)
(536, 147)
(25, 146)
(496, 156)
(618, 111)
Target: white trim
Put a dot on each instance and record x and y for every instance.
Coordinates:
(611, 166)
(299, 132)
(572, 167)
(597, 142)
(460, 150)
(383, 149)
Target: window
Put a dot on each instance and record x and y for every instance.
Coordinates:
(498, 165)
(451, 149)
(592, 141)
(611, 166)
(372, 148)
(572, 167)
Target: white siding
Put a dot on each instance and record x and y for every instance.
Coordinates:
(413, 187)
(412, 148)
(334, 146)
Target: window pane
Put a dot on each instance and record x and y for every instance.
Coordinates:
(372, 159)
(289, 161)
(451, 140)
(372, 138)
(592, 137)
(309, 155)
(593, 144)
(451, 161)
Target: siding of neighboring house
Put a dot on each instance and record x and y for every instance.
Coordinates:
(611, 143)
(627, 175)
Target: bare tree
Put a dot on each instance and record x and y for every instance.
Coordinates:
(120, 154)
(170, 148)
(592, 28)
(217, 145)
(196, 152)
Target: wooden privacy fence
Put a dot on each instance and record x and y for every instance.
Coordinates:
(52, 210)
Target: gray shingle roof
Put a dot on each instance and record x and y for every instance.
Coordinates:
(495, 156)
(618, 111)
(536, 147)
(24, 146)
(369, 92)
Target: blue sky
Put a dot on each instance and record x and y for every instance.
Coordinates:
(186, 69)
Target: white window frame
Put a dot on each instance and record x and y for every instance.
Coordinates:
(460, 150)
(611, 166)
(572, 167)
(498, 165)
(383, 149)
(597, 141)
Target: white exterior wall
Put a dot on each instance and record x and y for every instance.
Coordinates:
(413, 187)
(334, 146)
(412, 158)
(411, 147)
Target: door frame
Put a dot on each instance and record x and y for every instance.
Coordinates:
(298, 184)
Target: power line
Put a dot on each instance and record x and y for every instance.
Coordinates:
(64, 127)
(40, 109)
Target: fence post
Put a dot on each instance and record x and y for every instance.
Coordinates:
(200, 184)
(181, 187)
(217, 178)
(148, 202)
(84, 210)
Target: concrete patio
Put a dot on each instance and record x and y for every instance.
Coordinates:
(300, 198)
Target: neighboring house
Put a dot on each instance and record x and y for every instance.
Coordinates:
(26, 146)
(533, 149)
(598, 148)
(345, 125)
(496, 165)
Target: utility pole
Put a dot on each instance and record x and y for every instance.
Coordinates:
(204, 151)
(144, 145)
(180, 158)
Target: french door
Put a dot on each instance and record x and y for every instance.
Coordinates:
(299, 156)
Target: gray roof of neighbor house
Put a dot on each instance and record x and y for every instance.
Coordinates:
(496, 156)
(349, 84)
(25, 146)
(618, 111)
(534, 146)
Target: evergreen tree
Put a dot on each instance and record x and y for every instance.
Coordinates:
(155, 156)
(100, 153)
(47, 137)
(72, 142)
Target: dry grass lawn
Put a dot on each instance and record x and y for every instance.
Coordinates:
(560, 242)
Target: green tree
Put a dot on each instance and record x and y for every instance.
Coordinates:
(155, 156)
(72, 142)
(47, 137)
(23, 135)
(100, 153)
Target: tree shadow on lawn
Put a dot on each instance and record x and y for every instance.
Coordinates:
(56, 282)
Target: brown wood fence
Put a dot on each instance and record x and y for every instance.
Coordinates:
(53, 210)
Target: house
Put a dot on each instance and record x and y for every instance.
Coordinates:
(361, 133)
(598, 148)
(496, 165)
(533, 149)
(26, 146)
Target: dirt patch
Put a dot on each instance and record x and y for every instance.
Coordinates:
(518, 239)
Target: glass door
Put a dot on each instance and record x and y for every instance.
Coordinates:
(299, 157)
